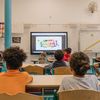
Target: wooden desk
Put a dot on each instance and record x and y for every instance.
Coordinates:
(51, 59)
(47, 81)
(35, 61)
(41, 65)
(98, 59)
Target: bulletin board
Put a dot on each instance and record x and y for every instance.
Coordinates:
(16, 39)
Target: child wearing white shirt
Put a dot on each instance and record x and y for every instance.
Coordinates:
(79, 64)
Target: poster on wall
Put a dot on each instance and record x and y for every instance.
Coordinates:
(16, 39)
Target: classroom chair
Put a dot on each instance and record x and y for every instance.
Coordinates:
(20, 96)
(34, 69)
(79, 95)
(62, 71)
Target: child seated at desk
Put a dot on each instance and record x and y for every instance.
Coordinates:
(79, 64)
(97, 68)
(13, 81)
(67, 54)
(42, 58)
(58, 61)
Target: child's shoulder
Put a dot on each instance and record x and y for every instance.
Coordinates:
(2, 73)
(24, 73)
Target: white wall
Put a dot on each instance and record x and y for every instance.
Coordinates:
(50, 15)
(1, 10)
(53, 11)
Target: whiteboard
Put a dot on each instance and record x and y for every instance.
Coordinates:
(90, 40)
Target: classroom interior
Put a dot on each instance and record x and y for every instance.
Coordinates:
(73, 17)
(79, 19)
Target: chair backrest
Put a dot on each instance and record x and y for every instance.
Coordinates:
(34, 69)
(20, 96)
(79, 95)
(62, 71)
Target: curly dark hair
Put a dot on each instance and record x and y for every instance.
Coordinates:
(79, 62)
(14, 56)
(58, 55)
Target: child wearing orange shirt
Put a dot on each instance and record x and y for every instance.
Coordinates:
(14, 81)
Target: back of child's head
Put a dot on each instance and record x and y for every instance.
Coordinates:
(68, 50)
(58, 55)
(14, 56)
(43, 54)
(79, 62)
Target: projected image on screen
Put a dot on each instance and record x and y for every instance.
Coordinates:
(48, 43)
